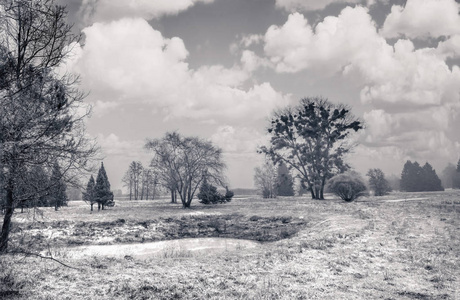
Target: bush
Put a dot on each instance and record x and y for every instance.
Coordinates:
(348, 186)
(208, 194)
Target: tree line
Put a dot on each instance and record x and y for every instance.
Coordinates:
(141, 182)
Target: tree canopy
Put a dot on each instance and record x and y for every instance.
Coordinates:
(182, 163)
(311, 139)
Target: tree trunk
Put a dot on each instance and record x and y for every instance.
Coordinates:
(92, 206)
(98, 207)
(9, 209)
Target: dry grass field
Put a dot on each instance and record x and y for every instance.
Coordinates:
(369, 249)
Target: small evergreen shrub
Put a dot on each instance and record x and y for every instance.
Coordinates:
(348, 186)
(208, 194)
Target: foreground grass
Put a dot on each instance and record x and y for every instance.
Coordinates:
(313, 250)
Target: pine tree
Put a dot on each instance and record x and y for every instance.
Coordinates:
(58, 189)
(415, 178)
(409, 176)
(102, 193)
(89, 195)
(429, 179)
(285, 182)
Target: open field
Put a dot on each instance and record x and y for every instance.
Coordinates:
(375, 248)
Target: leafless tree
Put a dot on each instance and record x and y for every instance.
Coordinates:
(265, 179)
(42, 113)
(182, 161)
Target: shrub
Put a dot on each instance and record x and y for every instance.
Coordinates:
(348, 186)
(208, 194)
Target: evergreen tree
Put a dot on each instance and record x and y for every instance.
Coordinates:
(415, 178)
(102, 194)
(378, 183)
(284, 182)
(411, 177)
(89, 195)
(429, 179)
(57, 191)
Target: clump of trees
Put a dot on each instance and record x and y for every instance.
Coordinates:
(180, 163)
(42, 119)
(99, 191)
(348, 185)
(311, 139)
(142, 183)
(378, 182)
(415, 178)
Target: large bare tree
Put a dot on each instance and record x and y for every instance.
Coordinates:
(41, 120)
(183, 162)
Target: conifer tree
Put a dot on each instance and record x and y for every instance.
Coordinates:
(89, 195)
(430, 180)
(102, 193)
(58, 188)
(285, 183)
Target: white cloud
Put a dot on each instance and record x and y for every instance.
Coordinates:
(415, 94)
(422, 19)
(309, 5)
(252, 39)
(108, 10)
(128, 62)
(241, 141)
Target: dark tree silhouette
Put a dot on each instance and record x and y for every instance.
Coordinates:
(415, 178)
(89, 195)
(102, 193)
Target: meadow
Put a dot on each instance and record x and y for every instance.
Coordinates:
(401, 246)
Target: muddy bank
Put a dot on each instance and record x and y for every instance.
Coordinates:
(42, 235)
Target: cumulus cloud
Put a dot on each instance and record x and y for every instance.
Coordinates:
(309, 5)
(238, 140)
(422, 19)
(108, 10)
(128, 62)
(351, 45)
(415, 95)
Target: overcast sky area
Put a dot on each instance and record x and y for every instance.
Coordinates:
(218, 68)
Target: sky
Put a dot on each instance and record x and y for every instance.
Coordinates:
(217, 69)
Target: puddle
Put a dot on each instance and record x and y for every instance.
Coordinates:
(172, 248)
